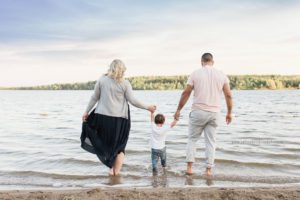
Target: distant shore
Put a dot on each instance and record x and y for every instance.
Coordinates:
(155, 193)
(237, 82)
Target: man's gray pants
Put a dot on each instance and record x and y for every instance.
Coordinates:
(207, 122)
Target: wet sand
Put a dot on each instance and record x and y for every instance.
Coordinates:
(155, 193)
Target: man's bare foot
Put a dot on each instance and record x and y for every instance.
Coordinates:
(189, 168)
(189, 171)
(208, 172)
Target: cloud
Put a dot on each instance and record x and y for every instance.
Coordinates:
(45, 42)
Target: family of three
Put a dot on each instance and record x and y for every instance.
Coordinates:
(106, 128)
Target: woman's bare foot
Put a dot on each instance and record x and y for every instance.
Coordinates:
(118, 164)
(111, 172)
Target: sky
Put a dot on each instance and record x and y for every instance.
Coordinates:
(65, 41)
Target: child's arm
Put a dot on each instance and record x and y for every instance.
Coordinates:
(152, 116)
(173, 123)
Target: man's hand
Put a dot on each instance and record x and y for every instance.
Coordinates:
(183, 99)
(152, 108)
(85, 116)
(173, 123)
(228, 118)
(177, 115)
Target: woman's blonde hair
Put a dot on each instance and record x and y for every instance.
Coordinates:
(116, 70)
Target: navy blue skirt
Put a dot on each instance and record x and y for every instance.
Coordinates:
(105, 136)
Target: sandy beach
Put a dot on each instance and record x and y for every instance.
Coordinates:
(155, 193)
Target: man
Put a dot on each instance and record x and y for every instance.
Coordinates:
(208, 84)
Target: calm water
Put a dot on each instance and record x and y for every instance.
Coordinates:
(40, 146)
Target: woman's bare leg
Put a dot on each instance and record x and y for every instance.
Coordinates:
(111, 171)
(118, 163)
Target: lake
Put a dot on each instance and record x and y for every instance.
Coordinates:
(40, 142)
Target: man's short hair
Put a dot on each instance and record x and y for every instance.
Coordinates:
(207, 57)
(159, 119)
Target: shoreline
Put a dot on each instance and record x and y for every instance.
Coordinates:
(178, 82)
(254, 89)
(292, 192)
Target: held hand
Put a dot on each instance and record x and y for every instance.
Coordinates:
(173, 123)
(152, 108)
(177, 115)
(228, 118)
(85, 116)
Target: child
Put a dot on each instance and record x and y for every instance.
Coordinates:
(158, 138)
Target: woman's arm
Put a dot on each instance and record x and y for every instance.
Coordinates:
(131, 99)
(94, 98)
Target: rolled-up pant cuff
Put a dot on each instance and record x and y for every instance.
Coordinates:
(209, 165)
(189, 161)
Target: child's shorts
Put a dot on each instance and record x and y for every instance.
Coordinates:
(155, 155)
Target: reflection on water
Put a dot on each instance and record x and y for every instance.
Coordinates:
(189, 180)
(209, 180)
(160, 179)
(115, 180)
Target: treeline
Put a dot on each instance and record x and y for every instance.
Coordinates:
(158, 82)
(238, 82)
(273, 82)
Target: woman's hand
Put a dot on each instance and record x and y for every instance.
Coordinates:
(152, 108)
(85, 116)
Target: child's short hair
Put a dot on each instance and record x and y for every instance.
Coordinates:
(159, 119)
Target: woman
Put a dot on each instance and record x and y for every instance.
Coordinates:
(105, 131)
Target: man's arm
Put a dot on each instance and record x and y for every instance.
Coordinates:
(184, 98)
(228, 98)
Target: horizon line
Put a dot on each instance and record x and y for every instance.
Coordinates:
(9, 87)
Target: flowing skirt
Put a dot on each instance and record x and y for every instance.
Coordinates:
(105, 136)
